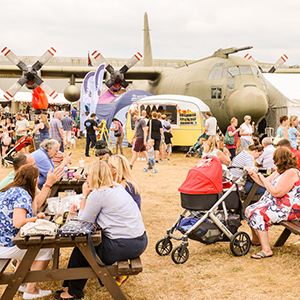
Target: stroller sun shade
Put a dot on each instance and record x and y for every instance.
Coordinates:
(204, 178)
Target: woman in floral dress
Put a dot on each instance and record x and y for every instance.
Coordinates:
(280, 202)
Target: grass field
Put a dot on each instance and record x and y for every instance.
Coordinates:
(212, 272)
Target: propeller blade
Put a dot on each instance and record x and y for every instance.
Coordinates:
(14, 58)
(99, 57)
(15, 88)
(124, 83)
(132, 61)
(279, 63)
(110, 69)
(44, 59)
(250, 57)
(48, 90)
(109, 83)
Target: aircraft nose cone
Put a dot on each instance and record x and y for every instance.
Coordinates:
(248, 101)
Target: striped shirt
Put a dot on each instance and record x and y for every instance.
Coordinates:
(243, 159)
(55, 125)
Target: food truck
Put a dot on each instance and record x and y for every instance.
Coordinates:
(186, 115)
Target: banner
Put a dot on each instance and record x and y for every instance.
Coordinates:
(96, 90)
(86, 96)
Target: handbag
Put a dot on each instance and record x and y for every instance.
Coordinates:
(77, 228)
(118, 132)
(229, 140)
(39, 227)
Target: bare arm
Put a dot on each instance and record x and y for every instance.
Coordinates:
(19, 218)
(223, 158)
(283, 186)
(36, 129)
(231, 133)
(285, 133)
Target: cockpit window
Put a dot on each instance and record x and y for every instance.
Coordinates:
(233, 71)
(255, 71)
(245, 70)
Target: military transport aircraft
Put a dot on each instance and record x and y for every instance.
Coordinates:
(232, 86)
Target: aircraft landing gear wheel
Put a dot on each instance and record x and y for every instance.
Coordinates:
(180, 254)
(164, 247)
(240, 243)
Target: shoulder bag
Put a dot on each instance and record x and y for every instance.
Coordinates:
(118, 133)
(229, 140)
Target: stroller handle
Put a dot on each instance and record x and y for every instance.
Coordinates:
(245, 173)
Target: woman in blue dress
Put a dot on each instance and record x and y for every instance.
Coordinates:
(17, 208)
(293, 132)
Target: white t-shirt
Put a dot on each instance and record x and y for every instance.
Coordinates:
(211, 124)
(266, 159)
(247, 130)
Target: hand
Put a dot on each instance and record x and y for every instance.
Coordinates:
(41, 215)
(67, 159)
(53, 177)
(77, 175)
(86, 189)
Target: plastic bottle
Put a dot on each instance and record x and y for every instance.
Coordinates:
(65, 176)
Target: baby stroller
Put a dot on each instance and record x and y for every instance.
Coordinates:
(11, 152)
(215, 214)
(197, 149)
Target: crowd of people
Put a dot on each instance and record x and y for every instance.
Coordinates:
(111, 186)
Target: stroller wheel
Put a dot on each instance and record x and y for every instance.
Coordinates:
(187, 155)
(180, 254)
(192, 155)
(240, 243)
(163, 247)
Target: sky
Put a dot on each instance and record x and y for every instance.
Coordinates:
(190, 29)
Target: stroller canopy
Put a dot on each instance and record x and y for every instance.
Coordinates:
(204, 178)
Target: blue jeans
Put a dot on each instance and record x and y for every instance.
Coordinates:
(89, 139)
(260, 191)
(44, 136)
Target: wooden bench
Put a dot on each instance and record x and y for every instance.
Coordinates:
(33, 244)
(290, 227)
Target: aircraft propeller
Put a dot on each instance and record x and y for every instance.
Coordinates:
(277, 65)
(116, 79)
(31, 74)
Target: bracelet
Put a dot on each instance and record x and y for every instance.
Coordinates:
(83, 197)
(48, 186)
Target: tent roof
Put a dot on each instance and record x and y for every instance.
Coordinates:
(288, 84)
(174, 100)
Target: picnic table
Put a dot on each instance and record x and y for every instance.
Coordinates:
(34, 243)
(68, 184)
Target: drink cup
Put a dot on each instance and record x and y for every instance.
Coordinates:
(70, 174)
(81, 163)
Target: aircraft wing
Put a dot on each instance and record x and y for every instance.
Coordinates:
(135, 73)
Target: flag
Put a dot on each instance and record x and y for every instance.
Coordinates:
(96, 91)
(89, 60)
(85, 99)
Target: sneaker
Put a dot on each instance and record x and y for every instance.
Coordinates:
(138, 159)
(130, 167)
(156, 161)
(41, 294)
(160, 160)
(145, 170)
(88, 156)
(155, 171)
(168, 159)
(22, 288)
(143, 159)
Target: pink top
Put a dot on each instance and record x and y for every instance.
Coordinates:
(119, 125)
(236, 136)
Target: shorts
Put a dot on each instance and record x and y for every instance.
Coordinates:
(169, 148)
(156, 144)
(67, 136)
(16, 253)
(151, 162)
(139, 145)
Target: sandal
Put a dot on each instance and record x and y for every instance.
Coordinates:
(124, 279)
(57, 294)
(261, 254)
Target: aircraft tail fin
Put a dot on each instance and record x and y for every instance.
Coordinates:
(148, 60)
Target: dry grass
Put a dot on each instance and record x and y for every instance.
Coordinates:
(212, 272)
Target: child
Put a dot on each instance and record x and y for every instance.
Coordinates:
(150, 152)
(168, 140)
(73, 140)
(5, 140)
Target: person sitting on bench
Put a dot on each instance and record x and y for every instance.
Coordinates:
(123, 233)
(280, 202)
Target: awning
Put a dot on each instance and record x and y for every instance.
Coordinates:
(27, 97)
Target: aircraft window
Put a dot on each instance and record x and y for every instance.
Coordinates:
(230, 84)
(261, 80)
(264, 87)
(218, 74)
(213, 92)
(245, 70)
(255, 70)
(212, 74)
(224, 74)
(219, 90)
(225, 65)
(232, 71)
